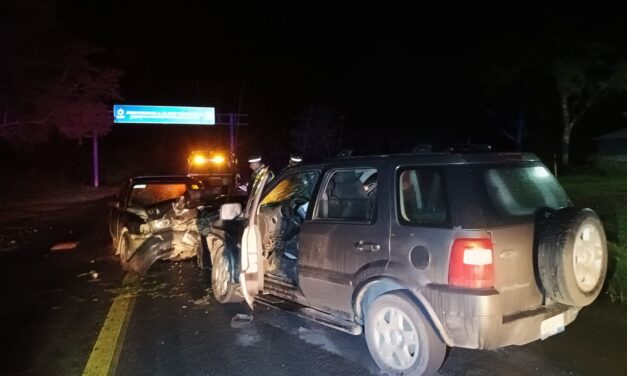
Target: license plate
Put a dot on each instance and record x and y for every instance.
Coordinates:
(552, 326)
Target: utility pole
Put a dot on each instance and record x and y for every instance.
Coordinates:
(232, 120)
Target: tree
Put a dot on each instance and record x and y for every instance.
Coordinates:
(505, 81)
(584, 75)
(47, 80)
(583, 72)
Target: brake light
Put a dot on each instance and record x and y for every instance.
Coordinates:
(471, 264)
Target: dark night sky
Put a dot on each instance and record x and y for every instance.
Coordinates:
(400, 76)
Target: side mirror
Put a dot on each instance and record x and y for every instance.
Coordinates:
(114, 204)
(230, 211)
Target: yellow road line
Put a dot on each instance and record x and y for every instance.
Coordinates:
(104, 356)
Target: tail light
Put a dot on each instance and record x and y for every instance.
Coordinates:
(471, 263)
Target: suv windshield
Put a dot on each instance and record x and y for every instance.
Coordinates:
(516, 191)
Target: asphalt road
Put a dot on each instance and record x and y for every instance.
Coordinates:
(54, 311)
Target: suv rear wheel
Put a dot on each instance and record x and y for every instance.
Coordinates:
(572, 256)
(401, 341)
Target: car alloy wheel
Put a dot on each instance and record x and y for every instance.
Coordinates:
(572, 256)
(221, 278)
(124, 250)
(400, 339)
(588, 260)
(395, 338)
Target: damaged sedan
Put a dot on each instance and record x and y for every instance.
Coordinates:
(156, 218)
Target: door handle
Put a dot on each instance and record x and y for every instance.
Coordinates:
(367, 246)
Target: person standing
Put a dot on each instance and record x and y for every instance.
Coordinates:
(294, 160)
(256, 164)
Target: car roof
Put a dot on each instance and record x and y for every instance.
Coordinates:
(413, 159)
(444, 158)
(437, 158)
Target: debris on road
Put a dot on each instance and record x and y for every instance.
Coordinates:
(12, 237)
(240, 320)
(202, 301)
(94, 274)
(64, 246)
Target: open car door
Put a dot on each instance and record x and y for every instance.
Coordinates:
(251, 276)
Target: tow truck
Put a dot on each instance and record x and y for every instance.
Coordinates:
(216, 171)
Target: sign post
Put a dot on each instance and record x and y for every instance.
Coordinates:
(134, 114)
(96, 169)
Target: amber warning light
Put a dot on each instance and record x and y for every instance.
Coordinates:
(201, 159)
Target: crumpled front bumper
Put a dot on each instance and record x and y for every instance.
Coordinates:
(164, 245)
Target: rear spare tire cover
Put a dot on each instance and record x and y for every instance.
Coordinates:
(572, 256)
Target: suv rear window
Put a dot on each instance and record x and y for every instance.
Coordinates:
(516, 191)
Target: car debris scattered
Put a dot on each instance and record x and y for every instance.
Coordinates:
(64, 246)
(203, 301)
(240, 320)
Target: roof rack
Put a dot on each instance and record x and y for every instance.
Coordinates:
(344, 153)
(468, 148)
(422, 148)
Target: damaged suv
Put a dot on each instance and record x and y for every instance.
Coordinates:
(420, 252)
(155, 218)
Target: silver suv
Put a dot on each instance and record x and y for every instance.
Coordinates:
(417, 251)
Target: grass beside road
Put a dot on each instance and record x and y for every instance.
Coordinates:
(607, 195)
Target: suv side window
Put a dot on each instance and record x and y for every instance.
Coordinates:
(349, 195)
(295, 190)
(421, 197)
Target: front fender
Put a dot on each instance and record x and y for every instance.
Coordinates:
(231, 250)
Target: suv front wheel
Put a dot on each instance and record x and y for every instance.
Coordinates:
(221, 279)
(401, 341)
